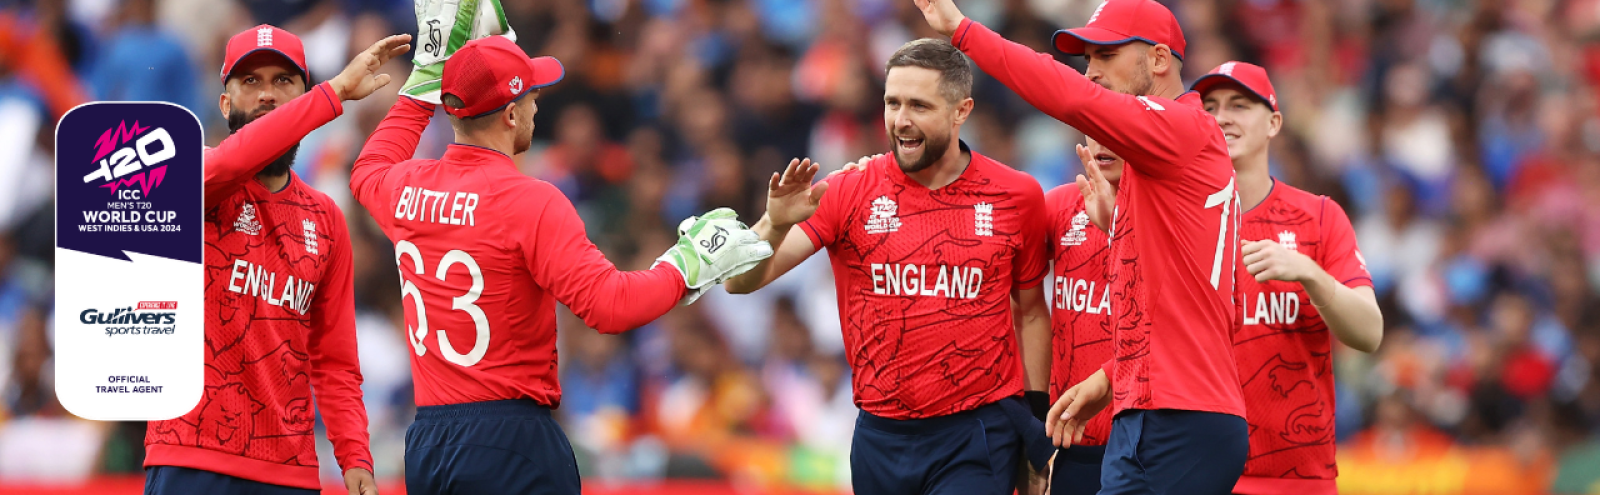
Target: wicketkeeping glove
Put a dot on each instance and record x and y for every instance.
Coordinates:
(712, 248)
(443, 26)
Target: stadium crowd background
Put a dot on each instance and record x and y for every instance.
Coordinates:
(1461, 135)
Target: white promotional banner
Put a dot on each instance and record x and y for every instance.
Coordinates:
(129, 310)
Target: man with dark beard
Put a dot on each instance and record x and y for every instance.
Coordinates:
(931, 246)
(279, 308)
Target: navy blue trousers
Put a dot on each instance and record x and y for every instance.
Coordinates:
(490, 447)
(1077, 470)
(1166, 452)
(978, 451)
(170, 480)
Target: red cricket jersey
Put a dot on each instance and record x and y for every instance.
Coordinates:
(1175, 234)
(485, 253)
(924, 279)
(280, 318)
(1080, 318)
(1283, 347)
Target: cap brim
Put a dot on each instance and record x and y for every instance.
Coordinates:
(235, 63)
(1076, 41)
(1205, 83)
(546, 71)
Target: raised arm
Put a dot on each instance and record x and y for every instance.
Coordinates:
(242, 155)
(393, 142)
(1152, 132)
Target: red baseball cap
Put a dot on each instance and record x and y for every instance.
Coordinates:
(1121, 21)
(490, 73)
(265, 37)
(1253, 78)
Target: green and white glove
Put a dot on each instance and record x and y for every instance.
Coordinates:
(443, 26)
(712, 248)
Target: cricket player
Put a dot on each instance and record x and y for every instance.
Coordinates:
(485, 253)
(1178, 413)
(1080, 315)
(1304, 279)
(929, 247)
(280, 316)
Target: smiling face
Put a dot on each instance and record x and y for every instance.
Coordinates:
(1247, 123)
(927, 95)
(920, 122)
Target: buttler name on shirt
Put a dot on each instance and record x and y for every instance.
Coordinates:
(441, 207)
(954, 282)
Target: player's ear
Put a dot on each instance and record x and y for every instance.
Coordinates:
(1161, 59)
(509, 116)
(964, 109)
(1274, 124)
(225, 104)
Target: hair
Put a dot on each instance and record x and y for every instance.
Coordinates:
(955, 72)
(467, 125)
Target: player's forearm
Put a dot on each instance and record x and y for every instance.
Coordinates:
(616, 301)
(758, 276)
(243, 154)
(1351, 315)
(338, 390)
(1035, 341)
(394, 141)
(1053, 88)
(1131, 126)
(336, 380)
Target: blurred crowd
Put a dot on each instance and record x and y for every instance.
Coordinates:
(1461, 135)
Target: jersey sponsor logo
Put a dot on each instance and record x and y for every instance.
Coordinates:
(1274, 308)
(911, 280)
(249, 278)
(1076, 236)
(983, 219)
(439, 207)
(1079, 295)
(1287, 239)
(310, 229)
(883, 218)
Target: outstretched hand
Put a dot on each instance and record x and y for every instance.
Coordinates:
(1099, 196)
(360, 78)
(791, 198)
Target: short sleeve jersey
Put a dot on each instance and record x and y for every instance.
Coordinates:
(924, 280)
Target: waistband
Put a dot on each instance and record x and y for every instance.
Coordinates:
(930, 424)
(1083, 454)
(484, 409)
